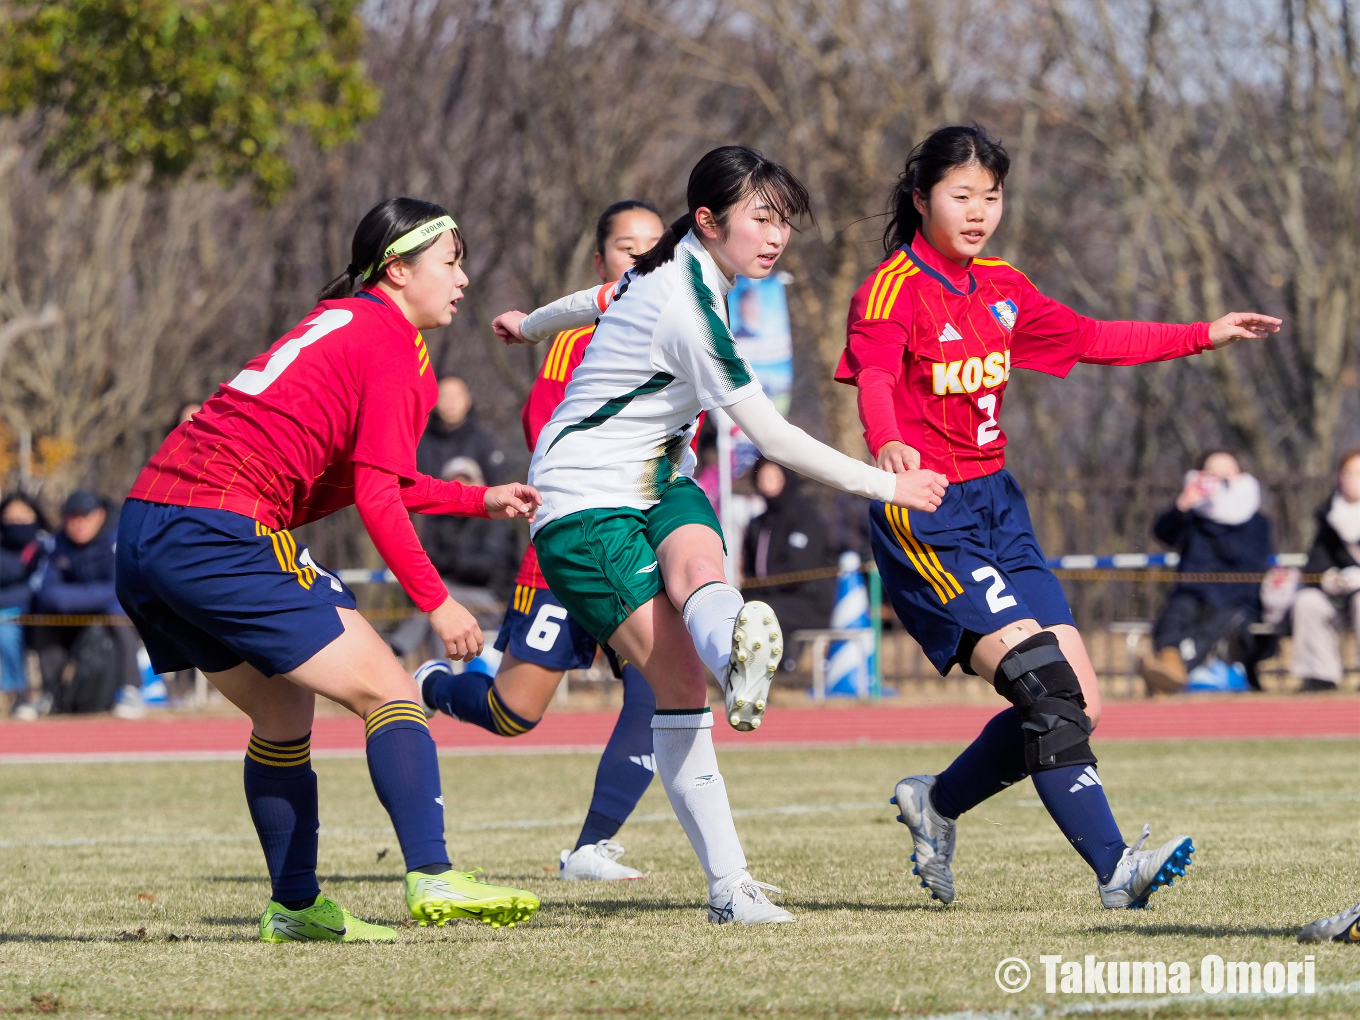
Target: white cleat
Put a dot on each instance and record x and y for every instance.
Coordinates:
(596, 862)
(744, 902)
(932, 836)
(1140, 873)
(757, 647)
(426, 668)
(1342, 927)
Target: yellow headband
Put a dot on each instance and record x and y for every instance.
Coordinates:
(412, 239)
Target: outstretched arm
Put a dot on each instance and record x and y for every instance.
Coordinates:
(570, 312)
(428, 495)
(795, 449)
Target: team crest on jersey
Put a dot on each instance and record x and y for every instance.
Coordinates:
(1005, 312)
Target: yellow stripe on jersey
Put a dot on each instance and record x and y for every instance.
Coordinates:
(886, 285)
(892, 264)
(889, 296)
(559, 357)
(1001, 262)
(922, 556)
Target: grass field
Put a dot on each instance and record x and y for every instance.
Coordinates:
(133, 890)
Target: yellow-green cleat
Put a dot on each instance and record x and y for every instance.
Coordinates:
(324, 921)
(440, 898)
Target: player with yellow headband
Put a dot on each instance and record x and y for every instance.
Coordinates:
(213, 578)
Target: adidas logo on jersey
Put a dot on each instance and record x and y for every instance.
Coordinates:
(950, 333)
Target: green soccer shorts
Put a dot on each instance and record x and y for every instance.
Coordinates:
(601, 564)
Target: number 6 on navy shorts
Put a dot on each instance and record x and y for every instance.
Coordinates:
(539, 630)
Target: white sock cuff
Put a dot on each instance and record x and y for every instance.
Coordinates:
(705, 592)
(683, 719)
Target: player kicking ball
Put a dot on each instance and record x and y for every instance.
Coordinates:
(934, 333)
(628, 542)
(212, 577)
(539, 638)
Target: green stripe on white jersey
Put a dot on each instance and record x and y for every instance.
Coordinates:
(661, 353)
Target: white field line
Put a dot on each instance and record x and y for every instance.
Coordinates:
(510, 824)
(1130, 1004)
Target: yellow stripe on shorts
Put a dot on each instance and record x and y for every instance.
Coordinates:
(922, 556)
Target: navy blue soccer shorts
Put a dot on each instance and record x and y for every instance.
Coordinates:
(539, 630)
(213, 589)
(970, 568)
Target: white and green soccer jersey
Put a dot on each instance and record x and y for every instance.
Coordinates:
(662, 352)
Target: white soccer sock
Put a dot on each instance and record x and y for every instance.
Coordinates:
(683, 745)
(710, 617)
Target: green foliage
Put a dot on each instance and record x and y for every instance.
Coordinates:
(216, 86)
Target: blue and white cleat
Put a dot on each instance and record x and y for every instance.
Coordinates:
(1342, 927)
(1140, 873)
(932, 836)
(427, 668)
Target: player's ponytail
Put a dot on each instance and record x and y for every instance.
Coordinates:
(945, 149)
(381, 226)
(722, 179)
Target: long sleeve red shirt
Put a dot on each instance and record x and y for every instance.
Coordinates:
(931, 344)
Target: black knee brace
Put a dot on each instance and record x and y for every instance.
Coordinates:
(1037, 679)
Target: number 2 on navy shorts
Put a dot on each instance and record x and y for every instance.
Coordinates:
(539, 630)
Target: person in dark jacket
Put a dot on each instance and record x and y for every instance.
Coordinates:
(77, 580)
(1216, 526)
(453, 432)
(1320, 610)
(475, 556)
(22, 529)
(789, 536)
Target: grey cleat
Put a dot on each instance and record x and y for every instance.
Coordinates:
(1342, 927)
(1140, 873)
(932, 836)
(757, 647)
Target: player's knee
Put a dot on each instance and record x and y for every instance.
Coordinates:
(1038, 680)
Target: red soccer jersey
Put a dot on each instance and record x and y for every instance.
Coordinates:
(931, 344)
(350, 386)
(566, 352)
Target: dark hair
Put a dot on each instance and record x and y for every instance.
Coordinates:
(606, 221)
(381, 225)
(945, 149)
(724, 177)
(22, 497)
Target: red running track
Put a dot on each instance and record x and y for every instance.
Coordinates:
(1248, 717)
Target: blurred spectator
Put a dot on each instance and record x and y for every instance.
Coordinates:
(22, 529)
(476, 557)
(187, 411)
(1217, 527)
(1320, 612)
(453, 432)
(789, 536)
(84, 668)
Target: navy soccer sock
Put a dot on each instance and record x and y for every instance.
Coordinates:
(471, 698)
(281, 795)
(627, 765)
(1075, 797)
(992, 762)
(405, 771)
